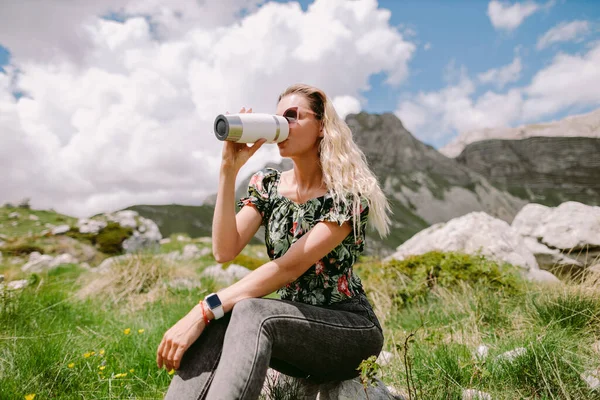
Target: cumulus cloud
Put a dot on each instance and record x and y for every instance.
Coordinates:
(569, 81)
(508, 16)
(503, 75)
(131, 121)
(564, 32)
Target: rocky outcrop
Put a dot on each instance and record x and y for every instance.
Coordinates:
(564, 239)
(546, 170)
(476, 233)
(302, 389)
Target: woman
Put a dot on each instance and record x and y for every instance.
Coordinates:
(315, 217)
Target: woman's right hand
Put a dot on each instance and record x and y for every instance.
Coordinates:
(235, 155)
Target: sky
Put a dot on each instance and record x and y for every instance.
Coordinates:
(104, 105)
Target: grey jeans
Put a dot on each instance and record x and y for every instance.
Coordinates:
(229, 361)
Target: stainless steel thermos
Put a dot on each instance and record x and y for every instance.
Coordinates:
(250, 127)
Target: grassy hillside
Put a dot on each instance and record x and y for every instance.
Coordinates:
(71, 334)
(196, 221)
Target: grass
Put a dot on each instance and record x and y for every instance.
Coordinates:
(73, 334)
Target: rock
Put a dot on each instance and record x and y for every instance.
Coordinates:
(38, 262)
(164, 241)
(59, 230)
(541, 276)
(94, 226)
(184, 283)
(125, 218)
(482, 352)
(471, 233)
(15, 285)
(550, 259)
(1, 278)
(228, 276)
(595, 346)
(385, 357)
(182, 238)
(510, 356)
(14, 215)
(48, 225)
(472, 394)
(302, 389)
(63, 259)
(3, 237)
(14, 223)
(33, 217)
(190, 251)
(572, 228)
(592, 378)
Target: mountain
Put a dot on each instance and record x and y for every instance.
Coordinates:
(585, 125)
(545, 170)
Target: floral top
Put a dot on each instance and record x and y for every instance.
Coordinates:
(330, 279)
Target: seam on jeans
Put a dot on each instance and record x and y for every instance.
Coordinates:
(295, 318)
(211, 376)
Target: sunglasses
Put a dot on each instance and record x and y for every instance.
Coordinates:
(293, 114)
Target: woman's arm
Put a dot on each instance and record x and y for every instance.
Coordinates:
(310, 248)
(231, 232)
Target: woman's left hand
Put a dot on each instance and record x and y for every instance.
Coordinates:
(179, 338)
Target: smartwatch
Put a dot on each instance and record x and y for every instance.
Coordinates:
(214, 303)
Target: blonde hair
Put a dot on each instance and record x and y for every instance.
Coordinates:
(344, 165)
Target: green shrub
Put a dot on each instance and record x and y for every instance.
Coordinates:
(21, 249)
(417, 276)
(110, 239)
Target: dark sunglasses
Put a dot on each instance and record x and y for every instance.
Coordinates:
(292, 114)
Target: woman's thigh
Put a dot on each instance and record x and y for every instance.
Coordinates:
(323, 343)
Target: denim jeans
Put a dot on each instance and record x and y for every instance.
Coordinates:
(229, 361)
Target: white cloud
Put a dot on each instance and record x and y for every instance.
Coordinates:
(569, 81)
(131, 121)
(56, 29)
(509, 16)
(427, 46)
(503, 75)
(563, 32)
(345, 105)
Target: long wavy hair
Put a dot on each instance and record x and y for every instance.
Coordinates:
(344, 165)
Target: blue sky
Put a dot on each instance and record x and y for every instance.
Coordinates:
(86, 80)
(460, 31)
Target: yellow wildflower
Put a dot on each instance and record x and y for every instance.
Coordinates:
(71, 365)
(87, 355)
(101, 367)
(123, 375)
(30, 396)
(102, 352)
(92, 353)
(141, 330)
(171, 372)
(127, 331)
(132, 370)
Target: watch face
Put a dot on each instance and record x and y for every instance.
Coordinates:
(213, 301)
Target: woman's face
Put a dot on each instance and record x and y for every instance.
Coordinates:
(304, 131)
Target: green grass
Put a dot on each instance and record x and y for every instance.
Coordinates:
(436, 309)
(24, 225)
(439, 318)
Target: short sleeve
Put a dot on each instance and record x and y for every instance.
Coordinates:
(258, 193)
(343, 212)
